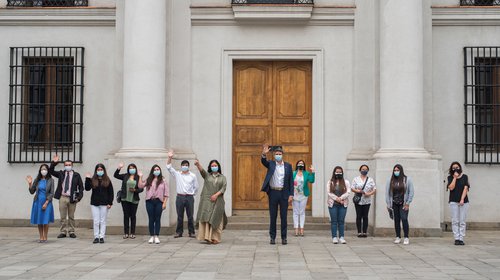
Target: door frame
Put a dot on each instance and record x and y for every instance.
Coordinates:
(318, 124)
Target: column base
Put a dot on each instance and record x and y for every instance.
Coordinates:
(416, 153)
(141, 153)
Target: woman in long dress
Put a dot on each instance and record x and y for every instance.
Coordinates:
(42, 211)
(211, 217)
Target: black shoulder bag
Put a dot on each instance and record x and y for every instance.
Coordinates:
(357, 197)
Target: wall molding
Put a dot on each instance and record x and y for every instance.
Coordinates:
(58, 17)
(465, 16)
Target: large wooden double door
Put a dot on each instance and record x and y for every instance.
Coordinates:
(271, 104)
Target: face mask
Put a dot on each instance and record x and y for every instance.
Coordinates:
(278, 157)
(339, 175)
(156, 173)
(44, 172)
(185, 168)
(396, 173)
(100, 173)
(300, 167)
(131, 171)
(364, 172)
(458, 170)
(68, 168)
(214, 168)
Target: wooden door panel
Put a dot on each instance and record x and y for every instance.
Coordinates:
(271, 104)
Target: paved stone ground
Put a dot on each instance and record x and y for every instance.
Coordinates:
(246, 255)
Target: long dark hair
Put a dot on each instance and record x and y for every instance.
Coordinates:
(134, 166)
(104, 179)
(341, 181)
(450, 170)
(151, 177)
(297, 163)
(39, 176)
(401, 179)
(210, 166)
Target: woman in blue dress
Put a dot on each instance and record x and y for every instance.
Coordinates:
(42, 212)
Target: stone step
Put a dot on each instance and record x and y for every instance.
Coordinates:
(259, 220)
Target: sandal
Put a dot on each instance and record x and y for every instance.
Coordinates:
(125, 236)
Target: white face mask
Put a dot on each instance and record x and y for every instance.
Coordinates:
(185, 168)
(44, 172)
(68, 168)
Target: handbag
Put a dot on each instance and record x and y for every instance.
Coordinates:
(357, 197)
(119, 196)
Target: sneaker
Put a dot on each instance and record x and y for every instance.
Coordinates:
(342, 240)
(157, 240)
(151, 240)
(360, 235)
(335, 240)
(101, 240)
(397, 240)
(406, 241)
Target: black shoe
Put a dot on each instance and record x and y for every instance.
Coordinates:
(96, 240)
(192, 235)
(101, 240)
(72, 235)
(364, 235)
(457, 242)
(273, 241)
(284, 242)
(61, 235)
(461, 242)
(177, 235)
(360, 235)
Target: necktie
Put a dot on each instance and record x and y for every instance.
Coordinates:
(66, 183)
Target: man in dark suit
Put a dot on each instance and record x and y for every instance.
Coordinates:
(69, 192)
(278, 185)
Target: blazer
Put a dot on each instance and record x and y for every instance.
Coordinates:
(408, 197)
(288, 180)
(49, 189)
(308, 178)
(101, 195)
(124, 178)
(76, 184)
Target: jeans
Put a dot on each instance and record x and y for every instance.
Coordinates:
(99, 215)
(337, 219)
(458, 216)
(400, 216)
(154, 207)
(129, 212)
(184, 202)
(299, 213)
(362, 217)
(276, 199)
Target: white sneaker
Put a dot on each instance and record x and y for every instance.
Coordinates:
(397, 240)
(157, 240)
(342, 240)
(335, 240)
(406, 241)
(151, 240)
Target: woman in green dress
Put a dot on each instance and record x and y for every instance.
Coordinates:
(211, 217)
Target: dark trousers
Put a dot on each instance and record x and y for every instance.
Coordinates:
(276, 199)
(362, 217)
(154, 207)
(400, 216)
(129, 216)
(184, 202)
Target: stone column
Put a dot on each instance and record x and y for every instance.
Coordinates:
(143, 131)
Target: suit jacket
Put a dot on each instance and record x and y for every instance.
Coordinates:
(76, 184)
(288, 180)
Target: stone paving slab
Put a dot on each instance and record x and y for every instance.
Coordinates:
(246, 255)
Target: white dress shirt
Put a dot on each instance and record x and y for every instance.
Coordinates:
(278, 179)
(186, 183)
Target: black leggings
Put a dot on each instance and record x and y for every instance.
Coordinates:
(400, 216)
(362, 217)
(129, 212)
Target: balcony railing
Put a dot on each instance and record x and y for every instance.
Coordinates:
(289, 2)
(479, 2)
(47, 3)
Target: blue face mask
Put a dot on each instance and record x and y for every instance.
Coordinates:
(364, 172)
(278, 157)
(100, 173)
(156, 173)
(131, 171)
(396, 173)
(185, 168)
(214, 168)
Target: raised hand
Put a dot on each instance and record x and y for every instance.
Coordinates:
(311, 168)
(88, 175)
(196, 162)
(140, 174)
(120, 165)
(29, 179)
(265, 148)
(55, 158)
(170, 153)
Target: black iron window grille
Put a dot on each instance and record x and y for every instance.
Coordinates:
(45, 104)
(297, 2)
(482, 104)
(479, 2)
(47, 3)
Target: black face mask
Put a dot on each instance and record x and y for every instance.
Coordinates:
(300, 167)
(339, 176)
(457, 170)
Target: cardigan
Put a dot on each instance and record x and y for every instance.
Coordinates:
(332, 197)
(124, 178)
(49, 189)
(308, 178)
(101, 196)
(408, 197)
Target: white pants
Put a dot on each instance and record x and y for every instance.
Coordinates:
(299, 213)
(458, 216)
(99, 214)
